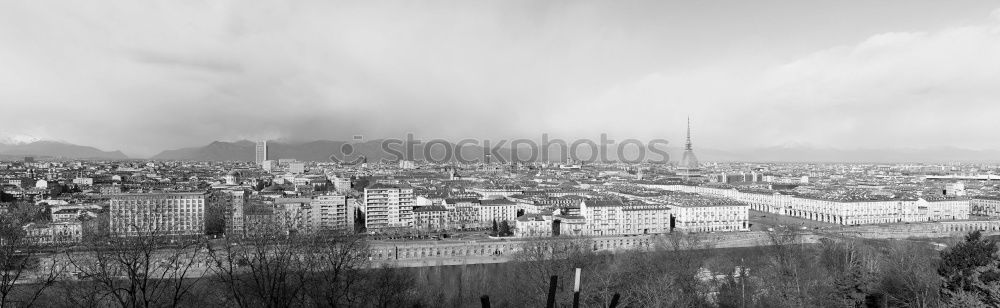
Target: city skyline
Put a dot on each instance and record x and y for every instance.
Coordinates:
(648, 153)
(321, 149)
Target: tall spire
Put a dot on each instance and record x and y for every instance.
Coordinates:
(687, 146)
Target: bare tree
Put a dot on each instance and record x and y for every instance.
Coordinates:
(540, 259)
(387, 287)
(632, 274)
(264, 268)
(24, 272)
(144, 268)
(680, 259)
(338, 261)
(271, 266)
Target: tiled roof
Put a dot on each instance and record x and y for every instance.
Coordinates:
(603, 203)
(460, 200)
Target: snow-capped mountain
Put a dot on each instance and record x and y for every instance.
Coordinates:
(14, 146)
(14, 139)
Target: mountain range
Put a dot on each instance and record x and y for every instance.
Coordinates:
(56, 150)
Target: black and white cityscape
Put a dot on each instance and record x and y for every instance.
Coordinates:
(644, 153)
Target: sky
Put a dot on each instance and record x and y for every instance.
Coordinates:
(145, 76)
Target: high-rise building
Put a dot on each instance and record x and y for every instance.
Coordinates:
(234, 215)
(689, 169)
(261, 151)
(331, 212)
(388, 206)
(157, 214)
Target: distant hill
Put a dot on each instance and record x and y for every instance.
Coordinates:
(215, 151)
(54, 149)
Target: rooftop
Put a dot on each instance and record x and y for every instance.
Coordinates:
(496, 202)
(603, 203)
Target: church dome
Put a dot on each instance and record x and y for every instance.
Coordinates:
(689, 161)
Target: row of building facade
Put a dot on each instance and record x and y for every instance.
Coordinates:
(842, 211)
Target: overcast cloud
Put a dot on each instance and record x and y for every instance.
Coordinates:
(143, 76)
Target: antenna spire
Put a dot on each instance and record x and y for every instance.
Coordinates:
(687, 145)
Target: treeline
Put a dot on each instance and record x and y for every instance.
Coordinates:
(684, 271)
(271, 269)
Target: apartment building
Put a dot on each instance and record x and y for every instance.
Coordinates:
(497, 210)
(988, 206)
(463, 213)
(430, 218)
(388, 206)
(174, 213)
(842, 208)
(234, 216)
(615, 217)
(711, 217)
(331, 212)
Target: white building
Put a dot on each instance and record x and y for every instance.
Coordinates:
(341, 183)
(268, 165)
(988, 206)
(407, 164)
(603, 217)
(711, 217)
(72, 213)
(942, 209)
(614, 217)
(157, 214)
(331, 212)
(463, 213)
(430, 218)
(54, 233)
(297, 168)
(841, 209)
(497, 210)
(642, 218)
(533, 225)
(388, 206)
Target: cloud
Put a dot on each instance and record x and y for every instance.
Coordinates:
(894, 89)
(212, 64)
(144, 76)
